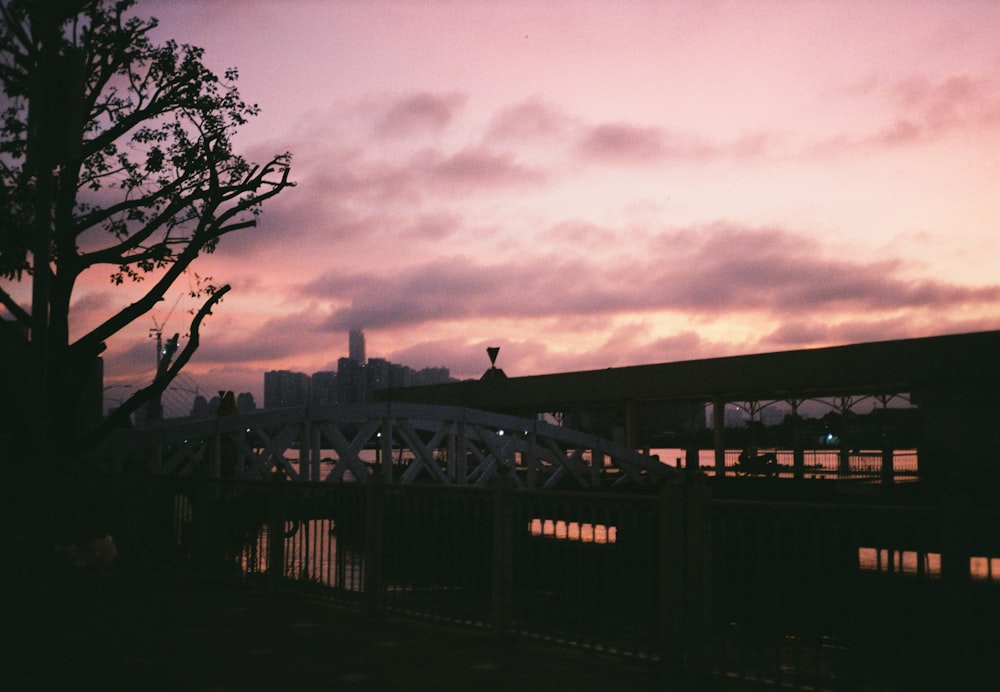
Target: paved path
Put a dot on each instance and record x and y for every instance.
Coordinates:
(118, 632)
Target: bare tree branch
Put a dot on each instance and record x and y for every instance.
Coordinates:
(121, 415)
(128, 142)
(19, 313)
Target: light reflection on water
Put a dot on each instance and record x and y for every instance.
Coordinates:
(573, 531)
(981, 568)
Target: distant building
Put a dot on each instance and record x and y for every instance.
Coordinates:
(245, 402)
(400, 376)
(354, 381)
(283, 388)
(200, 408)
(323, 389)
(377, 373)
(432, 376)
(356, 346)
(351, 382)
(209, 408)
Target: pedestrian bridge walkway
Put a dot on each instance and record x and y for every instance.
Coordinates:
(403, 443)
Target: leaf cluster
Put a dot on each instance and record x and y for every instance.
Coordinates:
(116, 154)
(136, 136)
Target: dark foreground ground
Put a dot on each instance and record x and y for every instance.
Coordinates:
(166, 632)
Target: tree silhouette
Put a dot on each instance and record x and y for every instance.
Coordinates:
(115, 155)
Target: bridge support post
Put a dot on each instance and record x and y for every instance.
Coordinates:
(531, 460)
(501, 590)
(374, 543)
(461, 454)
(698, 579)
(844, 460)
(798, 453)
(631, 435)
(276, 532)
(957, 616)
(386, 472)
(671, 563)
(215, 462)
(719, 435)
(887, 471)
(685, 581)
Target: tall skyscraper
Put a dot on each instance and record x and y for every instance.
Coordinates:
(356, 346)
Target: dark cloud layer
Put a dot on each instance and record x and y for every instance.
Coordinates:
(715, 270)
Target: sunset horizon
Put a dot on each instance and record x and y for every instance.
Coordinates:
(588, 185)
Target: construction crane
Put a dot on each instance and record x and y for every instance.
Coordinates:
(157, 331)
(154, 408)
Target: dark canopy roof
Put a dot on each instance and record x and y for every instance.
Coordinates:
(965, 361)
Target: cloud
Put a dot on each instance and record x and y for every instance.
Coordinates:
(474, 168)
(713, 270)
(815, 330)
(948, 105)
(529, 121)
(418, 114)
(921, 110)
(628, 345)
(622, 143)
(582, 234)
(335, 178)
(275, 339)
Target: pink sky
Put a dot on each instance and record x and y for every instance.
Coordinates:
(596, 184)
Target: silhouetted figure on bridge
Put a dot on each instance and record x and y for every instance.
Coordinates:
(753, 462)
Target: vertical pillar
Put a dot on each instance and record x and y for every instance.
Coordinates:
(451, 453)
(215, 462)
(692, 463)
(596, 467)
(386, 470)
(698, 580)
(462, 456)
(719, 435)
(798, 453)
(631, 434)
(531, 460)
(888, 472)
(671, 582)
(317, 453)
(305, 450)
(276, 531)
(374, 544)
(957, 616)
(501, 570)
(844, 465)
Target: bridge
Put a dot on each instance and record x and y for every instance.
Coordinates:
(441, 507)
(401, 443)
(953, 380)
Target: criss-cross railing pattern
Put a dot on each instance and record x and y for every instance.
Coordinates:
(404, 443)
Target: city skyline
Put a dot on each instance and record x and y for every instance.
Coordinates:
(185, 396)
(593, 184)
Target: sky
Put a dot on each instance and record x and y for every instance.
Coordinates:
(594, 184)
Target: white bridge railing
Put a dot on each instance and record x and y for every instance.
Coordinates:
(404, 443)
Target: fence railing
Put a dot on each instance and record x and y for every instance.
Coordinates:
(401, 443)
(805, 596)
(892, 465)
